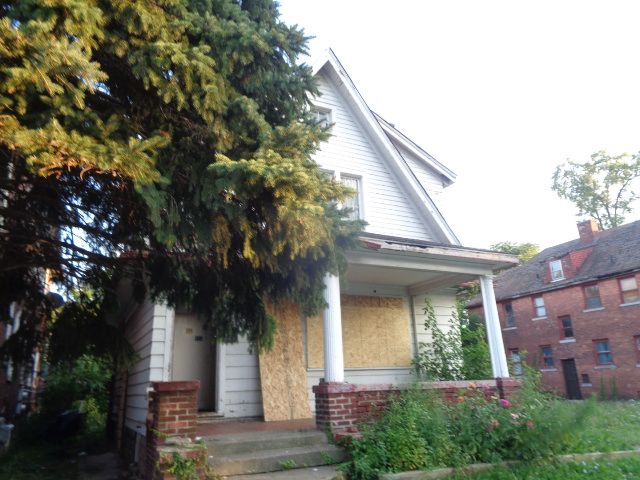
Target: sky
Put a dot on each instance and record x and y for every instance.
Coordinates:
(499, 91)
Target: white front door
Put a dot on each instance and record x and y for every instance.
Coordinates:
(194, 358)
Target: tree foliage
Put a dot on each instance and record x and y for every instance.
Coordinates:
(168, 142)
(524, 251)
(601, 188)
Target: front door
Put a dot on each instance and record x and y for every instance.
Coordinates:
(194, 358)
(571, 379)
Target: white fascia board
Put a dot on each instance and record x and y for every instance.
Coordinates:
(420, 197)
(410, 145)
(409, 261)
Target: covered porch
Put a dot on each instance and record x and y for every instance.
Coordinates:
(401, 268)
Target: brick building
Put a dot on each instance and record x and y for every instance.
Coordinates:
(575, 309)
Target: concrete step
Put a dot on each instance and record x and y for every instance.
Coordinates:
(276, 459)
(311, 473)
(239, 443)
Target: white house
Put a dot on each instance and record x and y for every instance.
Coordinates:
(370, 330)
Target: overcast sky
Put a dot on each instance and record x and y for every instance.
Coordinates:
(499, 91)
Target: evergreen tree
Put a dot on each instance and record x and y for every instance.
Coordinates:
(169, 142)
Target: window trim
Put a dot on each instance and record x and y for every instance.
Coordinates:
(518, 369)
(588, 308)
(535, 307)
(598, 353)
(546, 366)
(359, 192)
(622, 292)
(509, 315)
(563, 329)
(561, 270)
(317, 110)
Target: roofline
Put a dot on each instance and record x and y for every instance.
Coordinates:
(582, 281)
(414, 148)
(423, 201)
(488, 258)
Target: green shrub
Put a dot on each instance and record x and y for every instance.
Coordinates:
(72, 384)
(420, 431)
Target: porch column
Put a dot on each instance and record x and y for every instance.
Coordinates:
(332, 324)
(494, 332)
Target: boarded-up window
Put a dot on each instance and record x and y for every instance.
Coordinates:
(375, 333)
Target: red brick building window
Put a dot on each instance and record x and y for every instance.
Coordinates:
(555, 267)
(509, 316)
(592, 297)
(629, 289)
(516, 361)
(636, 343)
(603, 352)
(538, 305)
(547, 356)
(566, 326)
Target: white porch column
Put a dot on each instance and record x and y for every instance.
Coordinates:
(494, 332)
(332, 323)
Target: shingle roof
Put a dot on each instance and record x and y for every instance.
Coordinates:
(615, 251)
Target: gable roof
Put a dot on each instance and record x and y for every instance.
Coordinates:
(396, 162)
(394, 134)
(614, 252)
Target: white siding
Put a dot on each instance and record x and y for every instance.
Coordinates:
(430, 180)
(443, 304)
(349, 150)
(242, 396)
(146, 331)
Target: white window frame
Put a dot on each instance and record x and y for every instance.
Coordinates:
(557, 273)
(322, 115)
(538, 307)
(359, 193)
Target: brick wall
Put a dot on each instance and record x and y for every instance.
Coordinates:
(615, 322)
(342, 406)
(173, 410)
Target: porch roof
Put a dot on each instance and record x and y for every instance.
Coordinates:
(417, 265)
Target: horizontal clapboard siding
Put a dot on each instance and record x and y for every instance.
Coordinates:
(349, 150)
(242, 395)
(146, 331)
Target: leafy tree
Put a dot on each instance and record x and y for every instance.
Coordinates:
(524, 251)
(601, 188)
(168, 142)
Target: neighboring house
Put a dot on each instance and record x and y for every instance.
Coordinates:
(374, 321)
(575, 309)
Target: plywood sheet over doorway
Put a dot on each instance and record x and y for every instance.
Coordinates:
(283, 377)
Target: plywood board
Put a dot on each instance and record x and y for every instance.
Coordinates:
(283, 376)
(375, 333)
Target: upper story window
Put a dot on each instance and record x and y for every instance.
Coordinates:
(629, 289)
(547, 356)
(322, 116)
(353, 202)
(592, 297)
(603, 352)
(540, 310)
(567, 326)
(510, 318)
(555, 267)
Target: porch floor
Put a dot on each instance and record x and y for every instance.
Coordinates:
(226, 427)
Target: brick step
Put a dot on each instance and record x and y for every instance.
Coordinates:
(276, 460)
(239, 443)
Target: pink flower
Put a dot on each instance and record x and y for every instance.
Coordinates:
(504, 403)
(530, 424)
